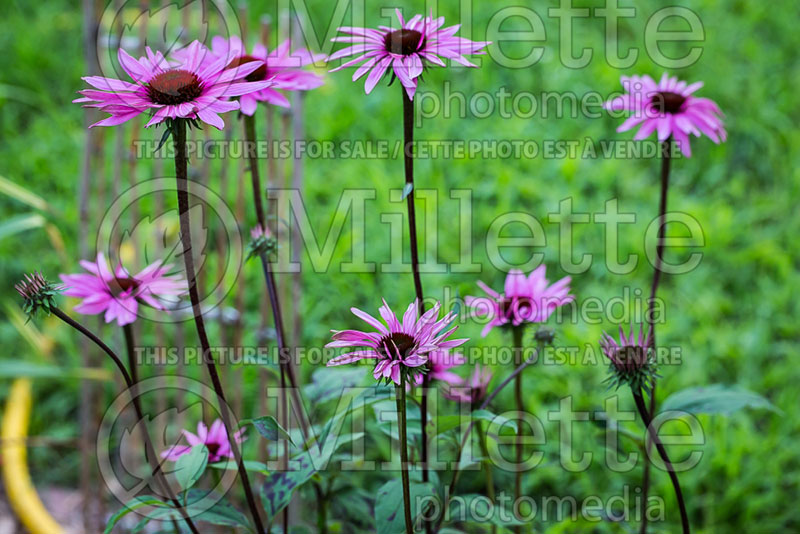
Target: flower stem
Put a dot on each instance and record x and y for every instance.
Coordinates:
(662, 213)
(485, 404)
(400, 392)
(129, 347)
(640, 405)
(408, 160)
(517, 332)
(181, 172)
(286, 368)
(131, 383)
(269, 276)
(487, 467)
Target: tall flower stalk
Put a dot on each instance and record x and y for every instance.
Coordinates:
(418, 44)
(178, 129)
(633, 363)
(525, 300)
(401, 350)
(195, 87)
(662, 214)
(39, 294)
(670, 108)
(408, 165)
(284, 68)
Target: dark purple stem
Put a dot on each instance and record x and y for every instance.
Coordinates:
(286, 368)
(131, 383)
(408, 160)
(179, 138)
(400, 392)
(642, 407)
(662, 214)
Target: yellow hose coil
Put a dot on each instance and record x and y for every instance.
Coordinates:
(20, 490)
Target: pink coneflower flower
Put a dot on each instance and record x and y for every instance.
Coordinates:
(119, 293)
(193, 88)
(398, 347)
(215, 439)
(283, 67)
(418, 44)
(632, 359)
(440, 363)
(527, 299)
(670, 108)
(472, 390)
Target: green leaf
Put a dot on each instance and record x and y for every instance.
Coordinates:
(715, 399)
(23, 195)
(269, 428)
(199, 508)
(222, 513)
(249, 465)
(134, 504)
(279, 486)
(407, 189)
(327, 383)
(474, 508)
(386, 414)
(18, 368)
(191, 466)
(21, 223)
(486, 415)
(444, 423)
(389, 511)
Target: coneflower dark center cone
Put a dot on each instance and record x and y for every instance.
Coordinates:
(257, 75)
(174, 87)
(122, 285)
(507, 306)
(668, 102)
(403, 42)
(396, 343)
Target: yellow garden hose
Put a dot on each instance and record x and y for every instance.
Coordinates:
(20, 490)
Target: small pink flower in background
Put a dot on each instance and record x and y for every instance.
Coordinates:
(118, 293)
(193, 88)
(215, 439)
(283, 67)
(669, 108)
(473, 389)
(397, 346)
(418, 43)
(526, 299)
(440, 364)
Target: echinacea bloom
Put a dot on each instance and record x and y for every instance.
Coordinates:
(473, 389)
(669, 108)
(418, 43)
(215, 439)
(399, 347)
(526, 299)
(283, 67)
(193, 88)
(632, 360)
(118, 293)
(440, 363)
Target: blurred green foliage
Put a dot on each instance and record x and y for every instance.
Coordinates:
(735, 316)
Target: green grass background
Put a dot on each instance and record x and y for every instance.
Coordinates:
(735, 316)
